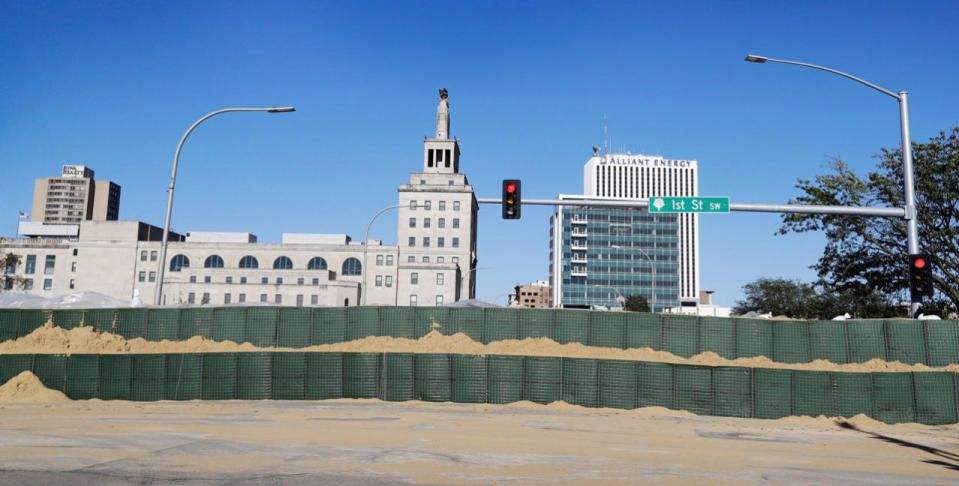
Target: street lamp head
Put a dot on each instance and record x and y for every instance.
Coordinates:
(759, 59)
(285, 109)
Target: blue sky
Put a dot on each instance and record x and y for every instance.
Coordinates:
(114, 85)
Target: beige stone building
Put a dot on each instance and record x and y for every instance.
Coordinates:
(75, 196)
(534, 296)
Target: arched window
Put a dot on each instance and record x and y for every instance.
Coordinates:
(249, 262)
(178, 262)
(282, 263)
(316, 263)
(213, 261)
(352, 266)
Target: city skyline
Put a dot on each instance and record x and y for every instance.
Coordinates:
(114, 87)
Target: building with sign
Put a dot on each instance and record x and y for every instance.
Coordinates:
(74, 197)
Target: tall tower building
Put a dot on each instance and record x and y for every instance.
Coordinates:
(436, 233)
(74, 197)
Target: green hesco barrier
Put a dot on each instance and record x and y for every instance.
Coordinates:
(655, 382)
(935, 397)
(261, 326)
(184, 377)
(505, 379)
(426, 319)
(398, 322)
(827, 340)
(942, 342)
(893, 397)
(219, 376)
(535, 323)
(229, 324)
(82, 377)
(618, 383)
(324, 375)
(254, 376)
(718, 335)
(467, 321)
(66, 318)
(163, 324)
(329, 325)
(693, 389)
(149, 377)
(643, 331)
(754, 338)
(790, 342)
(865, 341)
(102, 320)
(116, 377)
(289, 375)
(772, 392)
(572, 326)
(905, 341)
(732, 391)
(360, 375)
(362, 322)
(541, 379)
(196, 321)
(470, 383)
(853, 394)
(13, 364)
(813, 394)
(294, 327)
(51, 370)
(501, 324)
(399, 371)
(9, 324)
(433, 377)
(581, 382)
(131, 323)
(681, 335)
(608, 329)
(31, 319)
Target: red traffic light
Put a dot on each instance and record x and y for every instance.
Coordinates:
(511, 188)
(919, 263)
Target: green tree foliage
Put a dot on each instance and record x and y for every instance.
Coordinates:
(805, 301)
(870, 252)
(9, 264)
(636, 303)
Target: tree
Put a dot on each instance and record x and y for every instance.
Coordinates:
(869, 251)
(9, 264)
(781, 297)
(636, 303)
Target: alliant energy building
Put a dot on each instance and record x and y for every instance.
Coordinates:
(599, 256)
(433, 262)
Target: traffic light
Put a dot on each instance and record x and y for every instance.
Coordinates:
(511, 199)
(920, 276)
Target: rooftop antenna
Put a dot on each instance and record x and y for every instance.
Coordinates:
(605, 136)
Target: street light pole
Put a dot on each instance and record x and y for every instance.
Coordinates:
(912, 232)
(169, 203)
(652, 265)
(366, 246)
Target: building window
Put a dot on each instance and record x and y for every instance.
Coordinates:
(207, 279)
(278, 299)
(49, 264)
(379, 260)
(213, 261)
(316, 281)
(412, 241)
(143, 255)
(426, 242)
(316, 263)
(73, 267)
(456, 205)
(279, 280)
(299, 281)
(439, 300)
(414, 278)
(265, 280)
(456, 222)
(299, 300)
(455, 259)
(426, 222)
(191, 298)
(426, 259)
(314, 299)
(249, 262)
(426, 205)
(379, 280)
(262, 297)
(440, 242)
(226, 298)
(352, 266)
(389, 260)
(73, 283)
(346, 302)
(412, 300)
(439, 259)
(456, 242)
(422, 182)
(31, 265)
(441, 223)
(242, 298)
(411, 259)
(153, 256)
(229, 280)
(242, 280)
(75, 252)
(206, 298)
(282, 263)
(413, 205)
(153, 276)
(412, 222)
(442, 206)
(179, 262)
(192, 278)
(439, 279)
(47, 284)
(451, 180)
(28, 284)
(142, 277)
(389, 280)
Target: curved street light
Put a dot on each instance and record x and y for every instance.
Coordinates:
(912, 233)
(652, 265)
(169, 203)
(366, 247)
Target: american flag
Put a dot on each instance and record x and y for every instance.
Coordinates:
(24, 215)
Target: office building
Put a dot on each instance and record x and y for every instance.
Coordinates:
(533, 296)
(73, 197)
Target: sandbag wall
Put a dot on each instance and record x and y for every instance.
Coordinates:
(934, 343)
(924, 397)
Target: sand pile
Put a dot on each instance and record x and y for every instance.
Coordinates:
(26, 388)
(50, 339)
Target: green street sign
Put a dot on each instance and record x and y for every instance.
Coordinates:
(689, 204)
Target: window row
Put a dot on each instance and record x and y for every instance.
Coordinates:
(414, 300)
(428, 205)
(49, 265)
(241, 298)
(426, 259)
(415, 278)
(440, 223)
(440, 242)
(243, 280)
(28, 284)
(351, 266)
